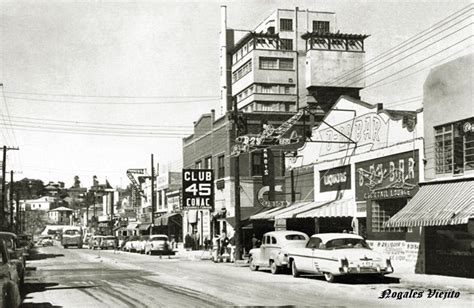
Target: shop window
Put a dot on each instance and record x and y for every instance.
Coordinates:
(286, 44)
(454, 149)
(220, 167)
(320, 26)
(257, 167)
(382, 211)
(286, 24)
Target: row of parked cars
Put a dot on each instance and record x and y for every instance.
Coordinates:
(13, 250)
(158, 244)
(331, 255)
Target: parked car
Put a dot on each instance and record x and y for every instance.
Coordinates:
(108, 242)
(132, 244)
(273, 252)
(15, 253)
(9, 280)
(142, 243)
(45, 240)
(95, 242)
(337, 254)
(158, 244)
(71, 236)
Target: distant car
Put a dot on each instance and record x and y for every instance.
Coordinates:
(95, 242)
(71, 236)
(15, 253)
(46, 240)
(132, 244)
(273, 252)
(337, 254)
(108, 242)
(9, 280)
(142, 243)
(158, 244)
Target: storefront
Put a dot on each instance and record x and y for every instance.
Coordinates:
(445, 211)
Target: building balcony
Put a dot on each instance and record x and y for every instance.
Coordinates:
(335, 60)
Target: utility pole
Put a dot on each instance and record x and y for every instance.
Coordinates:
(18, 209)
(11, 202)
(4, 192)
(238, 226)
(153, 197)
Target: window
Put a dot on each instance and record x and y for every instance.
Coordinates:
(276, 63)
(313, 243)
(286, 24)
(220, 167)
(295, 237)
(198, 165)
(286, 44)
(286, 64)
(274, 241)
(257, 168)
(382, 211)
(320, 26)
(454, 148)
(208, 163)
(242, 71)
(269, 63)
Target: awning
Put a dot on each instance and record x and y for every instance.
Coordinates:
(267, 214)
(337, 208)
(245, 214)
(143, 227)
(297, 208)
(438, 204)
(132, 225)
(164, 220)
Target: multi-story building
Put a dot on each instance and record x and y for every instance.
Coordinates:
(61, 215)
(443, 207)
(270, 73)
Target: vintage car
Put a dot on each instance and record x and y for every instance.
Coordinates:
(158, 244)
(15, 253)
(46, 240)
(95, 241)
(337, 254)
(273, 251)
(132, 244)
(140, 247)
(9, 280)
(108, 242)
(71, 236)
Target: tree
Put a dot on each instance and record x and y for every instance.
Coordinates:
(29, 188)
(77, 182)
(35, 221)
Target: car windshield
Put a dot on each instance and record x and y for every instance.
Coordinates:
(71, 232)
(347, 243)
(295, 237)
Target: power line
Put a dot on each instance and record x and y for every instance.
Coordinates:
(112, 96)
(405, 43)
(418, 62)
(110, 103)
(393, 63)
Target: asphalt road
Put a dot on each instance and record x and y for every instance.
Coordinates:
(60, 277)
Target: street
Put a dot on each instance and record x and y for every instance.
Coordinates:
(60, 277)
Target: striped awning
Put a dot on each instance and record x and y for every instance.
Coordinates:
(336, 208)
(272, 213)
(438, 204)
(293, 211)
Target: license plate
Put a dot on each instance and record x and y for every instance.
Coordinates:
(366, 264)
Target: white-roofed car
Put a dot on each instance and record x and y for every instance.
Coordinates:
(158, 244)
(273, 252)
(337, 254)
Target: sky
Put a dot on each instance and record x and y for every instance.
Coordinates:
(150, 68)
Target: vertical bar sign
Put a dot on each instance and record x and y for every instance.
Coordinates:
(268, 178)
(198, 189)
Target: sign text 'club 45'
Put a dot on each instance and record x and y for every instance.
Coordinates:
(198, 189)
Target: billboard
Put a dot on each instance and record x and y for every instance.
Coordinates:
(198, 189)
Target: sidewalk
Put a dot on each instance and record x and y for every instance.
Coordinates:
(193, 255)
(435, 281)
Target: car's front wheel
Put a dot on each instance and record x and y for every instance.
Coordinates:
(274, 269)
(253, 265)
(294, 269)
(329, 277)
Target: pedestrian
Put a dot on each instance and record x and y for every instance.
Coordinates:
(254, 241)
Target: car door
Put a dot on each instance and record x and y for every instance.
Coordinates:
(271, 248)
(318, 256)
(305, 259)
